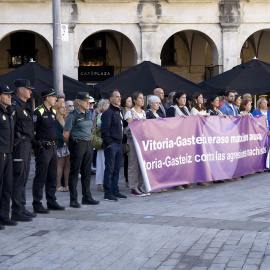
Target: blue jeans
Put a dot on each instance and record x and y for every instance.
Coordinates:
(113, 161)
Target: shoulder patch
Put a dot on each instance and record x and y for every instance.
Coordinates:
(41, 111)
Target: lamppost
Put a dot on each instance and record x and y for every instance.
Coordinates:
(57, 48)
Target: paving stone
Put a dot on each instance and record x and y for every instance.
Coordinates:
(194, 229)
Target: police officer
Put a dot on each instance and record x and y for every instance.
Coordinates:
(6, 147)
(24, 134)
(45, 153)
(77, 133)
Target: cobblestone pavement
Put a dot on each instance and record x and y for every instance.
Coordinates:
(223, 226)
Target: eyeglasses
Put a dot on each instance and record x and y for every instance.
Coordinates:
(70, 105)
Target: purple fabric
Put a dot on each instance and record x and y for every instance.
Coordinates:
(166, 161)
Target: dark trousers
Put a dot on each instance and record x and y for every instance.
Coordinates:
(21, 167)
(5, 184)
(113, 160)
(46, 174)
(80, 161)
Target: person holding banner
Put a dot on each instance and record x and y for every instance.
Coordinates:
(212, 105)
(245, 108)
(153, 112)
(198, 107)
(179, 109)
(262, 110)
(228, 108)
(135, 178)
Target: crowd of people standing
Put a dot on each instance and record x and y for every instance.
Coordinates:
(59, 131)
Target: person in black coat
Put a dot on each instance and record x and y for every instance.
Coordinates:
(6, 147)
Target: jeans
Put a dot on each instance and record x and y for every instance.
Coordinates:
(113, 161)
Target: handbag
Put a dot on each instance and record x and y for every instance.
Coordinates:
(126, 148)
(96, 140)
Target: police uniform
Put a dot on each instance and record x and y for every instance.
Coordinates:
(79, 124)
(24, 134)
(6, 147)
(45, 156)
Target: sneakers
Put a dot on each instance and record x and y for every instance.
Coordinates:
(110, 197)
(143, 191)
(120, 196)
(66, 189)
(60, 189)
(137, 192)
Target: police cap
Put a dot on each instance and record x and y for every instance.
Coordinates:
(48, 92)
(23, 83)
(83, 96)
(4, 89)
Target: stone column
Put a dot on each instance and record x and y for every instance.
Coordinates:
(148, 14)
(230, 51)
(148, 37)
(230, 19)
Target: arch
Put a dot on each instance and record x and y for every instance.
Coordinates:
(45, 32)
(255, 45)
(85, 34)
(211, 34)
(39, 48)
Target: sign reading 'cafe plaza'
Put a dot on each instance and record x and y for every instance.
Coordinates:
(95, 74)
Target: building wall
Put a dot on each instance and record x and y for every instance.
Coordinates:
(215, 31)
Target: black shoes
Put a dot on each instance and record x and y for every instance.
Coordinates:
(55, 206)
(9, 222)
(2, 227)
(40, 209)
(90, 201)
(120, 196)
(74, 204)
(29, 214)
(110, 197)
(20, 217)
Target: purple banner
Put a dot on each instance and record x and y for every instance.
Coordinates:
(176, 151)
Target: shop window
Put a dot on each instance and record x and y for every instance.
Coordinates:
(93, 51)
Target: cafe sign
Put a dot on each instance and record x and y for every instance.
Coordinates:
(95, 73)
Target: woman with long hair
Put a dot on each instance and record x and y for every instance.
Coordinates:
(178, 109)
(198, 106)
(63, 164)
(134, 172)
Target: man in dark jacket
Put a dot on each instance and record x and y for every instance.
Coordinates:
(6, 147)
(112, 135)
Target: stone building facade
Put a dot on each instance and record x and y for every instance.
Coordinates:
(195, 39)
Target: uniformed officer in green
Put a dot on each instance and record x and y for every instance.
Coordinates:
(45, 154)
(77, 133)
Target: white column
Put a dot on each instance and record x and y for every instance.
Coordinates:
(229, 42)
(148, 41)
